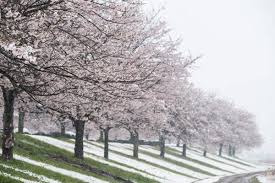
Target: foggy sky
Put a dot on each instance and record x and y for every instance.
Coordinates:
(237, 41)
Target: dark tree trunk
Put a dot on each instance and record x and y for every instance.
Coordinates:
(162, 145)
(233, 151)
(101, 136)
(21, 121)
(106, 143)
(184, 150)
(178, 142)
(204, 153)
(131, 140)
(135, 137)
(229, 150)
(79, 129)
(87, 135)
(220, 149)
(9, 96)
(63, 129)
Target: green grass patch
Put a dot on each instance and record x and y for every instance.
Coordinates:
(37, 170)
(11, 171)
(46, 152)
(254, 180)
(112, 161)
(4, 179)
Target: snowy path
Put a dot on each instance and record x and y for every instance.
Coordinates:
(160, 174)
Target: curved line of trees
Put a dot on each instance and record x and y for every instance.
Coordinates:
(111, 65)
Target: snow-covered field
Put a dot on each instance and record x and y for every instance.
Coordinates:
(221, 162)
(139, 167)
(162, 170)
(62, 171)
(41, 178)
(31, 174)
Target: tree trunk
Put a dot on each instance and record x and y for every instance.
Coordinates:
(21, 121)
(9, 96)
(229, 150)
(106, 143)
(63, 129)
(178, 142)
(184, 150)
(132, 138)
(233, 151)
(101, 136)
(135, 144)
(162, 145)
(204, 153)
(220, 149)
(79, 129)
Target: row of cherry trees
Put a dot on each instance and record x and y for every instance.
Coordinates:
(110, 65)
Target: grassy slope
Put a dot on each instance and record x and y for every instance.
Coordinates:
(254, 180)
(8, 180)
(219, 161)
(173, 152)
(39, 151)
(147, 162)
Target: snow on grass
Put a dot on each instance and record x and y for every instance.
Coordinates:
(119, 152)
(221, 165)
(96, 154)
(126, 149)
(240, 168)
(16, 178)
(82, 177)
(240, 161)
(197, 165)
(210, 180)
(39, 177)
(121, 148)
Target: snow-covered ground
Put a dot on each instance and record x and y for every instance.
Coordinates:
(121, 148)
(139, 167)
(76, 175)
(82, 177)
(220, 164)
(16, 178)
(235, 166)
(39, 177)
(209, 180)
(125, 148)
(152, 167)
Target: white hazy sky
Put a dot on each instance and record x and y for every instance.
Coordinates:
(237, 41)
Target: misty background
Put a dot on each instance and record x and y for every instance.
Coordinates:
(237, 41)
